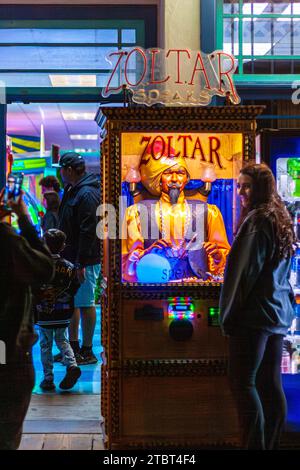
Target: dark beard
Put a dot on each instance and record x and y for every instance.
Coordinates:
(174, 195)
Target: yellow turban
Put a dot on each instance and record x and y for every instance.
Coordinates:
(152, 169)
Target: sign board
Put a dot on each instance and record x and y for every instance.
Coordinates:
(222, 151)
(172, 77)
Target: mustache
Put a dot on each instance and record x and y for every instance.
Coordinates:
(174, 185)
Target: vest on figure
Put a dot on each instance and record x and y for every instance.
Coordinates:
(194, 260)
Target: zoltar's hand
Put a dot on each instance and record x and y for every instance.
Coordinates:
(213, 251)
(159, 245)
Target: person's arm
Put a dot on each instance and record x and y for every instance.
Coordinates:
(31, 260)
(132, 243)
(74, 285)
(217, 246)
(30, 265)
(244, 265)
(87, 222)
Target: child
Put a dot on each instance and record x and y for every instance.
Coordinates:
(54, 308)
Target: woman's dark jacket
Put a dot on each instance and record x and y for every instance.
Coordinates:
(25, 263)
(256, 291)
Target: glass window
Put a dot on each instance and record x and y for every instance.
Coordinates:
(42, 80)
(264, 36)
(230, 34)
(272, 7)
(63, 58)
(147, 220)
(128, 36)
(296, 23)
(40, 56)
(58, 36)
(231, 6)
(282, 37)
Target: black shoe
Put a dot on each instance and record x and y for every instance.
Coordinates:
(47, 385)
(70, 379)
(75, 346)
(78, 357)
(57, 357)
(87, 357)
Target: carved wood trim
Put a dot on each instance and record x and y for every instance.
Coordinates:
(175, 367)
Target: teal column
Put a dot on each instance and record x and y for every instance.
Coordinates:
(208, 31)
(208, 25)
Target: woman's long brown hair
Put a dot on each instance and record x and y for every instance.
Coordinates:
(266, 200)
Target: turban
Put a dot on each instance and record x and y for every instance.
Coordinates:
(151, 171)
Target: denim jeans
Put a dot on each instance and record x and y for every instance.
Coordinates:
(255, 378)
(46, 342)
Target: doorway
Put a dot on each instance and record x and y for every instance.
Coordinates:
(36, 131)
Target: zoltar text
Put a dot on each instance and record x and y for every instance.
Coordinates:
(190, 148)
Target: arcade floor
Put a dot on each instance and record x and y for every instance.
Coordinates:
(89, 382)
(76, 411)
(80, 406)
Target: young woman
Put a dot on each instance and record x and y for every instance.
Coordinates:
(256, 307)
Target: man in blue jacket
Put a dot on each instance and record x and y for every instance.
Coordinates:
(77, 219)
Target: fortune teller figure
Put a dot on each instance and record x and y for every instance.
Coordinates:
(189, 234)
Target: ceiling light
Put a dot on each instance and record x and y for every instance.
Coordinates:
(68, 116)
(73, 80)
(84, 136)
(84, 150)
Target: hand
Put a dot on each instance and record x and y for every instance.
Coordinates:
(3, 212)
(213, 251)
(18, 206)
(81, 275)
(158, 245)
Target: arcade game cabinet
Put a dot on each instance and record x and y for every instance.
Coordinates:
(33, 168)
(167, 219)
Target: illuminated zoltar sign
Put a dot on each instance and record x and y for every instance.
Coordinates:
(220, 151)
(173, 76)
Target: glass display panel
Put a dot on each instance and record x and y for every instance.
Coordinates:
(178, 205)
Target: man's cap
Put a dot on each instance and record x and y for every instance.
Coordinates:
(71, 159)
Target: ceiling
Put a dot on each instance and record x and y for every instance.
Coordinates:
(60, 120)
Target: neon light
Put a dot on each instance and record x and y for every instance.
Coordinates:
(181, 308)
(29, 164)
(214, 311)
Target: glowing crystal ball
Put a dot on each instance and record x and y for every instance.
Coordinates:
(153, 268)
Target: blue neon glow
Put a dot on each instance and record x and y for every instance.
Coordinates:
(153, 268)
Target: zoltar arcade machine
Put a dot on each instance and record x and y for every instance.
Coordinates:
(170, 175)
(169, 211)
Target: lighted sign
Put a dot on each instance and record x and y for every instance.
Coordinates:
(181, 308)
(29, 164)
(213, 316)
(173, 76)
(221, 152)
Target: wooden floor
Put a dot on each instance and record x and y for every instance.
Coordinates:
(57, 421)
(61, 442)
(68, 413)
